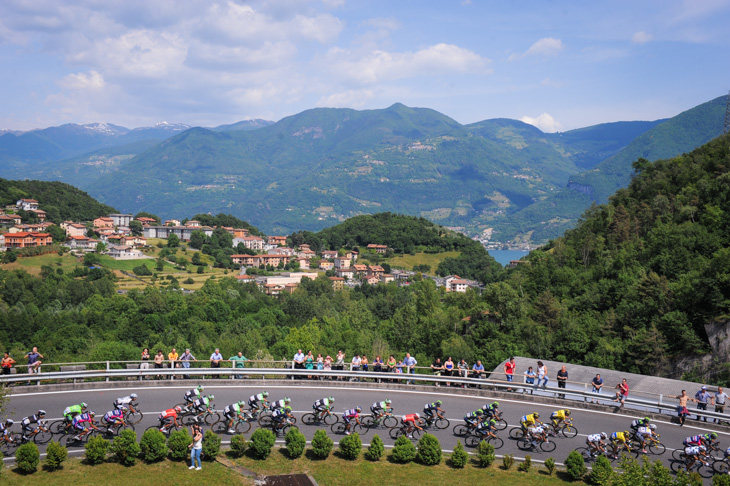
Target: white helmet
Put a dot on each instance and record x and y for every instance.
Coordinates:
(604, 435)
(652, 426)
(133, 396)
(418, 416)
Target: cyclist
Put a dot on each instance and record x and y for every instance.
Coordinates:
(232, 411)
(255, 401)
(410, 422)
(70, 412)
(710, 438)
(323, 405)
(114, 417)
(643, 433)
(618, 440)
(379, 409)
(537, 431)
(472, 419)
(694, 440)
(642, 422)
(280, 403)
(80, 424)
(430, 410)
(486, 428)
(125, 401)
(280, 416)
(558, 417)
(491, 411)
(693, 454)
(349, 416)
(5, 431)
(596, 443)
(168, 418)
(527, 421)
(27, 423)
(202, 405)
(192, 395)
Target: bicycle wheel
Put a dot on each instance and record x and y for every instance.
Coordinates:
(211, 418)
(309, 419)
(368, 420)
(441, 423)
(395, 432)
(657, 448)
(569, 431)
(472, 441)
(8, 448)
(548, 446)
(243, 427)
(338, 428)
(134, 417)
(497, 442)
(524, 444)
(58, 427)
(678, 455)
(69, 440)
(460, 430)
(43, 436)
(265, 421)
(705, 471)
(286, 429)
(220, 427)
(516, 433)
(675, 466)
(389, 422)
(717, 454)
(721, 467)
(189, 419)
(500, 424)
(586, 453)
(331, 418)
(362, 430)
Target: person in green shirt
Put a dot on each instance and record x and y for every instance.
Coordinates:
(239, 361)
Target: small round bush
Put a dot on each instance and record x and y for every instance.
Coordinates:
(404, 450)
(321, 445)
(376, 449)
(295, 443)
(27, 458)
(125, 448)
(350, 446)
(153, 446)
(238, 445)
(550, 465)
(55, 455)
(720, 480)
(485, 453)
(262, 440)
(601, 471)
(211, 445)
(575, 465)
(459, 457)
(178, 443)
(429, 450)
(96, 449)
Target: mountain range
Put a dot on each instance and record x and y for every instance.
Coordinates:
(321, 166)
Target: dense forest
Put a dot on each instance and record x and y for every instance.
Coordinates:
(631, 288)
(60, 201)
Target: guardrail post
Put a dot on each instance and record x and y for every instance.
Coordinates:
(107, 370)
(585, 389)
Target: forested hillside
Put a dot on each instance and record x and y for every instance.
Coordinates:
(60, 201)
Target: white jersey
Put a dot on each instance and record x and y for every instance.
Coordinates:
(123, 402)
(537, 430)
(644, 431)
(692, 450)
(594, 438)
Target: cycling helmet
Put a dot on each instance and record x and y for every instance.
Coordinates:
(492, 422)
(439, 402)
(495, 404)
(211, 397)
(647, 419)
(567, 412)
(242, 403)
(332, 399)
(417, 416)
(288, 409)
(712, 436)
(652, 426)
(265, 394)
(479, 413)
(41, 412)
(536, 415)
(123, 409)
(387, 400)
(133, 396)
(200, 388)
(9, 422)
(626, 433)
(91, 413)
(84, 405)
(178, 409)
(604, 435)
(287, 400)
(358, 409)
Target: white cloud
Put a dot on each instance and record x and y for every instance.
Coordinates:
(92, 80)
(641, 37)
(379, 65)
(354, 98)
(547, 46)
(544, 122)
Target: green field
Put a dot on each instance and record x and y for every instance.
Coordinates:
(33, 264)
(432, 259)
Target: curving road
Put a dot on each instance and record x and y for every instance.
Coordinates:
(154, 399)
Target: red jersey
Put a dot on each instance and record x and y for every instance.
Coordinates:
(171, 413)
(411, 417)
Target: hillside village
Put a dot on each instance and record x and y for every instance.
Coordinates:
(281, 264)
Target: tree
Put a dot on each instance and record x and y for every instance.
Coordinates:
(173, 241)
(136, 228)
(197, 239)
(57, 233)
(100, 248)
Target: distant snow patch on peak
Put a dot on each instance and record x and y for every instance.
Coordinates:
(171, 126)
(101, 128)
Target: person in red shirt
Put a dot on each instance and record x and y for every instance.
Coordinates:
(410, 422)
(622, 392)
(509, 370)
(168, 418)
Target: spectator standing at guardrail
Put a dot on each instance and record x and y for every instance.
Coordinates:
(562, 380)
(542, 376)
(477, 371)
(702, 397)
(145, 358)
(320, 362)
(597, 383)
(530, 376)
(378, 364)
(719, 401)
(410, 363)
(391, 364)
(437, 367)
(159, 359)
(355, 365)
(34, 360)
(364, 363)
(448, 368)
(172, 356)
(682, 411)
(328, 364)
(215, 359)
(309, 362)
(509, 370)
(185, 359)
(239, 362)
(7, 363)
(339, 362)
(622, 392)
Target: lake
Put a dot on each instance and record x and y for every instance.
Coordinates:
(505, 256)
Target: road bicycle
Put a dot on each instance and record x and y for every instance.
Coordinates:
(207, 417)
(565, 428)
(315, 418)
(462, 430)
(413, 433)
(589, 455)
(539, 443)
(132, 415)
(78, 439)
(240, 425)
(386, 419)
(341, 427)
(704, 468)
(499, 422)
(266, 420)
(61, 427)
(438, 422)
(41, 434)
(111, 430)
(489, 437)
(10, 442)
(652, 445)
(283, 427)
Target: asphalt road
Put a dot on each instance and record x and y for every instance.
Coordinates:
(155, 399)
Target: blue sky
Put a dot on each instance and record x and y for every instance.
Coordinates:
(557, 64)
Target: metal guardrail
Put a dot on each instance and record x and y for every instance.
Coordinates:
(108, 374)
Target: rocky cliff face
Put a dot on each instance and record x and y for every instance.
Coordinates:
(704, 367)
